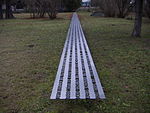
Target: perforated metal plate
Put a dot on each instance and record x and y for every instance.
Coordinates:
(76, 77)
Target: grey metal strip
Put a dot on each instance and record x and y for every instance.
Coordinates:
(90, 85)
(56, 83)
(65, 79)
(73, 85)
(98, 83)
(81, 79)
(76, 77)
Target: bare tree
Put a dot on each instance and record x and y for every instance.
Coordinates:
(38, 8)
(9, 13)
(112, 8)
(147, 8)
(94, 3)
(41, 10)
(123, 7)
(1, 10)
(51, 9)
(108, 7)
(138, 18)
(72, 5)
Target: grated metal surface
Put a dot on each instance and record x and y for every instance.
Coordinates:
(76, 77)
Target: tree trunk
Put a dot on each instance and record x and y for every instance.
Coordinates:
(9, 14)
(1, 10)
(138, 18)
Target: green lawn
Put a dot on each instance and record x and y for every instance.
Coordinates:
(30, 51)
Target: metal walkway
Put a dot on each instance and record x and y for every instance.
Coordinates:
(76, 77)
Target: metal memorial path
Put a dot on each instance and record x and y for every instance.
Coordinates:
(76, 77)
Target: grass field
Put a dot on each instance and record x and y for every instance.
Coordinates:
(30, 52)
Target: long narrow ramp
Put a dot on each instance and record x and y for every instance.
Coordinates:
(76, 77)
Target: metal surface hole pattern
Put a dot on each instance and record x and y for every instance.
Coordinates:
(76, 77)
(90, 68)
(62, 70)
(76, 68)
(70, 67)
(84, 71)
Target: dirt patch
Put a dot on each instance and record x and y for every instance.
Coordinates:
(31, 45)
